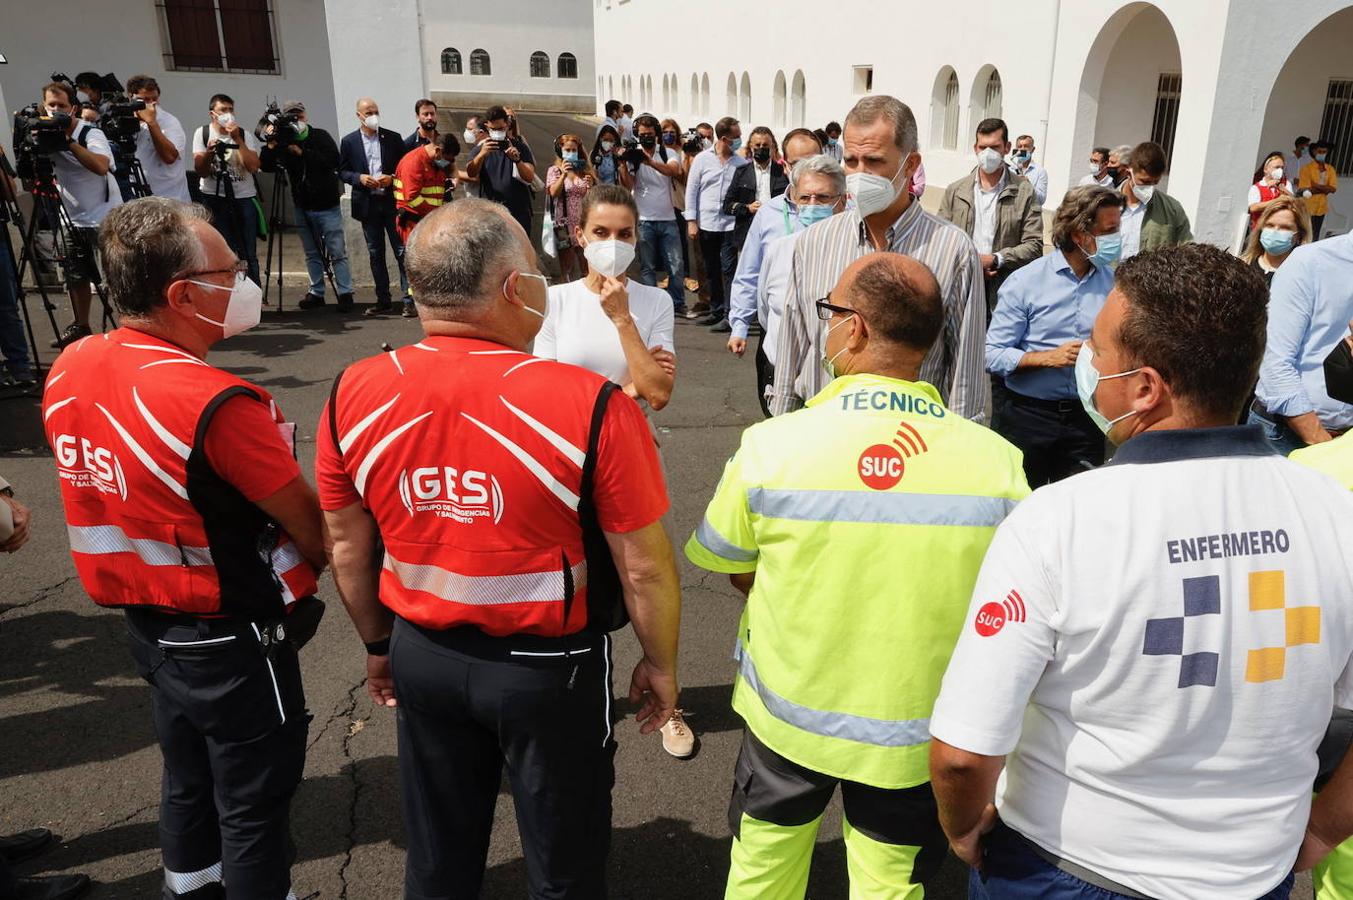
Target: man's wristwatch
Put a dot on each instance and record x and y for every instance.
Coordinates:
(378, 648)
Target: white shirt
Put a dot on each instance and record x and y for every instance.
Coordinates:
(1159, 673)
(577, 331)
(165, 179)
(87, 197)
(1131, 229)
(371, 146)
(984, 213)
(762, 183)
(241, 179)
(1106, 181)
(835, 151)
(626, 127)
(771, 289)
(653, 190)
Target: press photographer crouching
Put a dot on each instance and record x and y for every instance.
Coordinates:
(53, 143)
(225, 157)
(309, 157)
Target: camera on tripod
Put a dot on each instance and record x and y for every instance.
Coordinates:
(117, 113)
(692, 142)
(38, 134)
(286, 127)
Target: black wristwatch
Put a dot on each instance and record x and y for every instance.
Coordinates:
(7, 491)
(378, 648)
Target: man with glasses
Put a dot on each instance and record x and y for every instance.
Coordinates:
(185, 506)
(840, 656)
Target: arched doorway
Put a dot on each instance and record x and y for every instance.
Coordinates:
(798, 103)
(944, 110)
(777, 101)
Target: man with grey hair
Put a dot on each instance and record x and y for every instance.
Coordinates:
(1120, 164)
(367, 159)
(880, 158)
(184, 506)
(493, 517)
(817, 190)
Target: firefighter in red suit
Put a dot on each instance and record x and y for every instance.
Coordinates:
(518, 503)
(423, 178)
(185, 507)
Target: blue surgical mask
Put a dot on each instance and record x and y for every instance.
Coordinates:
(1087, 382)
(811, 215)
(735, 145)
(441, 163)
(1108, 248)
(571, 156)
(1277, 241)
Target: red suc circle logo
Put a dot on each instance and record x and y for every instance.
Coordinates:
(881, 467)
(990, 619)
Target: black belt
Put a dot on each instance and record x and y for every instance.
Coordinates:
(1059, 406)
(517, 648)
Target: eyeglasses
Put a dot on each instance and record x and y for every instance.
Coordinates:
(825, 309)
(239, 268)
(818, 199)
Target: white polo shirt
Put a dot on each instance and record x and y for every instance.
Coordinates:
(1156, 647)
(164, 179)
(87, 197)
(576, 330)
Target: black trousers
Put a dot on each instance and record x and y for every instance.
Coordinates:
(470, 704)
(377, 228)
(765, 374)
(721, 261)
(231, 721)
(1057, 437)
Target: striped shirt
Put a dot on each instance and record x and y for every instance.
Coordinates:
(955, 365)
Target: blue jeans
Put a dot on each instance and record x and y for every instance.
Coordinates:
(1011, 870)
(660, 247)
(1283, 439)
(237, 221)
(13, 343)
(325, 225)
(378, 227)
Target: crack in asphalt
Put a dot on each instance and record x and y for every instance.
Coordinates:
(350, 764)
(42, 594)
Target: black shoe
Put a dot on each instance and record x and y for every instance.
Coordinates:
(345, 302)
(311, 301)
(72, 334)
(710, 319)
(409, 312)
(51, 887)
(722, 327)
(679, 312)
(26, 844)
(380, 309)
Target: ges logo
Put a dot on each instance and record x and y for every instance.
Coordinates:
(992, 617)
(463, 495)
(84, 465)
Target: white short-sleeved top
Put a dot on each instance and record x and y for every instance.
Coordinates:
(577, 331)
(1156, 647)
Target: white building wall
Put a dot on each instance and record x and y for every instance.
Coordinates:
(123, 37)
(369, 43)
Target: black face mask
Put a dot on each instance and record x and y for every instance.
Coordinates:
(1113, 172)
(648, 141)
(1339, 373)
(761, 154)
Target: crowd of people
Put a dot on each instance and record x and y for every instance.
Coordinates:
(1126, 683)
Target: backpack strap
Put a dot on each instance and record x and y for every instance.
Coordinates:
(605, 598)
(333, 411)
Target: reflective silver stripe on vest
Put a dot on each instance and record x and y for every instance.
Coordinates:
(881, 508)
(486, 590)
(97, 540)
(720, 546)
(861, 729)
(186, 882)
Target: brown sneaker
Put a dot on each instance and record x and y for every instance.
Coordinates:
(677, 737)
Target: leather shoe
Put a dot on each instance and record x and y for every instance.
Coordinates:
(345, 302)
(722, 327)
(51, 887)
(380, 309)
(709, 320)
(25, 845)
(310, 301)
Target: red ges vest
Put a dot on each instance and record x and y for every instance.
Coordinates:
(474, 460)
(150, 523)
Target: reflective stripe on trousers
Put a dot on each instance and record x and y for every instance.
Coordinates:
(486, 590)
(861, 729)
(97, 540)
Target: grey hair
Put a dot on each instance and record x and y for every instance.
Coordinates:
(458, 257)
(1079, 210)
(1124, 154)
(148, 244)
(822, 164)
(892, 110)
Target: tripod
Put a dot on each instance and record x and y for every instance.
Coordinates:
(276, 224)
(10, 212)
(136, 174)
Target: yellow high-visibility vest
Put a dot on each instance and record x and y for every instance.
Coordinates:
(1334, 458)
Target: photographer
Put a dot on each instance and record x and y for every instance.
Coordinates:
(161, 143)
(653, 167)
(309, 156)
(88, 192)
(505, 168)
(225, 157)
(89, 88)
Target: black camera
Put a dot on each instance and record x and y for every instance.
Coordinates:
(692, 142)
(633, 153)
(286, 127)
(38, 134)
(117, 114)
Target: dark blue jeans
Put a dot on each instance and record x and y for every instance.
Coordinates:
(13, 343)
(1013, 871)
(237, 221)
(660, 246)
(1283, 438)
(377, 229)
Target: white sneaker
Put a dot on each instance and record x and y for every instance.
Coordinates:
(677, 737)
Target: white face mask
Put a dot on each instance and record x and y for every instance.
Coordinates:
(829, 364)
(243, 309)
(528, 307)
(609, 258)
(498, 135)
(873, 193)
(372, 121)
(81, 97)
(1276, 174)
(470, 137)
(1143, 192)
(1093, 169)
(990, 160)
(225, 121)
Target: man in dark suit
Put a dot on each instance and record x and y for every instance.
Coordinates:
(755, 184)
(367, 161)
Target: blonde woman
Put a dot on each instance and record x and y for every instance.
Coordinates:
(1283, 224)
(568, 181)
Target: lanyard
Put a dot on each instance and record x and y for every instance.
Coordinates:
(788, 229)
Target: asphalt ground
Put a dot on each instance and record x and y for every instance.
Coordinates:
(78, 754)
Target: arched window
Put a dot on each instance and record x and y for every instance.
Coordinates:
(951, 112)
(695, 94)
(540, 64)
(704, 95)
(730, 96)
(568, 65)
(745, 99)
(451, 61)
(479, 63)
(991, 100)
(777, 100)
(798, 104)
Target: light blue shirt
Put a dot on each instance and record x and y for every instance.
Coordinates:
(1040, 307)
(776, 268)
(1038, 179)
(1310, 306)
(775, 219)
(706, 185)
